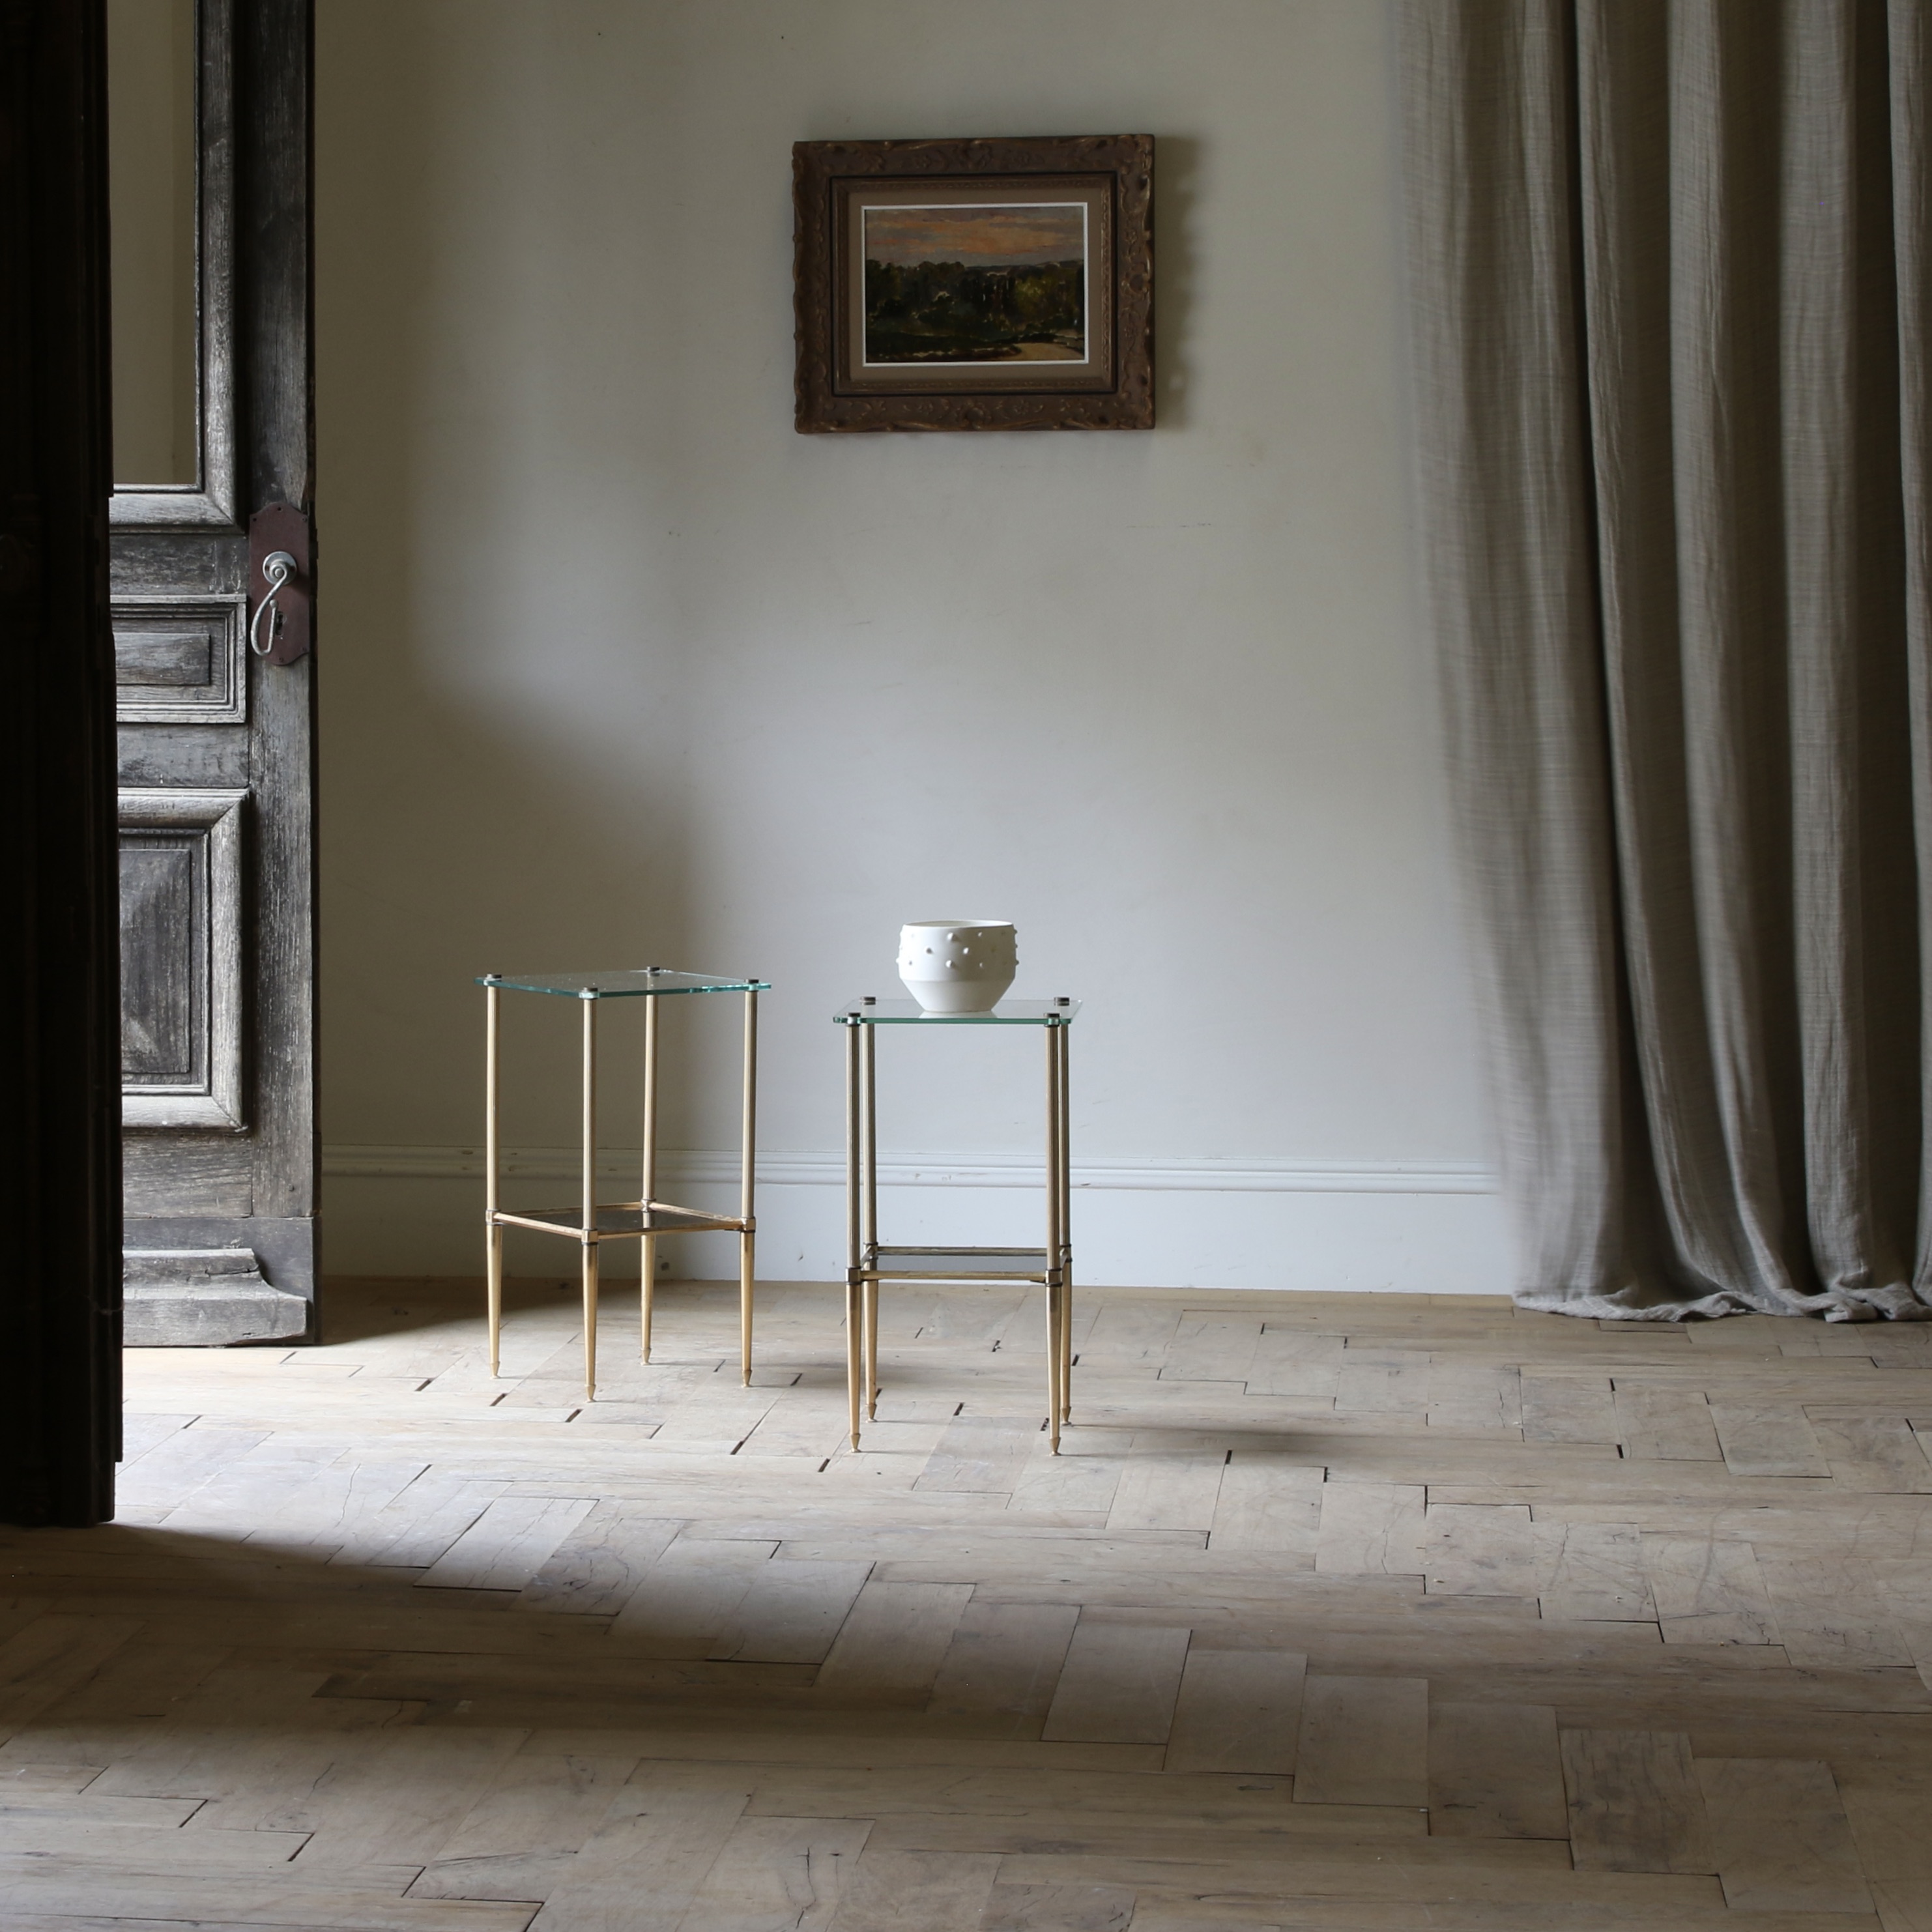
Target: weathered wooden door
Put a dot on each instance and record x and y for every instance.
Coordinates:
(208, 133)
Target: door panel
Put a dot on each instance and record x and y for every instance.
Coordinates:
(164, 1176)
(181, 661)
(216, 743)
(180, 958)
(144, 100)
(164, 899)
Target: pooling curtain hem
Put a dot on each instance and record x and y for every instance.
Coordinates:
(1667, 271)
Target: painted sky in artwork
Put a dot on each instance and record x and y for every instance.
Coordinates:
(983, 237)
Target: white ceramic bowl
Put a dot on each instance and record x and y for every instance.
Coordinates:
(958, 965)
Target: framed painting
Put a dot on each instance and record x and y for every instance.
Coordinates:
(988, 284)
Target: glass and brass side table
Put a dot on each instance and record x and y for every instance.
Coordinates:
(590, 1223)
(869, 1263)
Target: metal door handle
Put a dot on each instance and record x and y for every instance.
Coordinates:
(277, 567)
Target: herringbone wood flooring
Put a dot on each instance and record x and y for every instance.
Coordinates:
(1337, 1611)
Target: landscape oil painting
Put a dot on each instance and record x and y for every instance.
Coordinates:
(971, 282)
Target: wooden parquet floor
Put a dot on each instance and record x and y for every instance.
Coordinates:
(1337, 1611)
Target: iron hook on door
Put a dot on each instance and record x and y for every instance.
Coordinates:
(281, 569)
(277, 567)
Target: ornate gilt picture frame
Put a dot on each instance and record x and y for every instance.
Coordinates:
(981, 284)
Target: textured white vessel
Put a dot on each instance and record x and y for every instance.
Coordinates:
(958, 965)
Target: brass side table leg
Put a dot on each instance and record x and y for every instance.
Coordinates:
(748, 1165)
(588, 1223)
(1066, 1340)
(647, 1261)
(868, 1205)
(589, 1321)
(1056, 1311)
(495, 1266)
(855, 1316)
(1066, 1181)
(1056, 1316)
(747, 1275)
(493, 1234)
(854, 1311)
(872, 1350)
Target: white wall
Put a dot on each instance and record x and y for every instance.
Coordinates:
(618, 668)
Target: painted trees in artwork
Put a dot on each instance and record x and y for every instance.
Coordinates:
(947, 311)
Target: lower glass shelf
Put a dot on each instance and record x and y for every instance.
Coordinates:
(956, 1264)
(620, 1219)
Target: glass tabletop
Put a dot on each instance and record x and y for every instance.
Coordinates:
(622, 982)
(910, 1012)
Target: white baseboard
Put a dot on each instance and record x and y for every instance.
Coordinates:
(1361, 1226)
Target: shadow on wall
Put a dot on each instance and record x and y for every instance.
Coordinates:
(1176, 186)
(457, 835)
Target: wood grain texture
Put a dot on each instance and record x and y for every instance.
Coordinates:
(1635, 1802)
(1118, 1684)
(1479, 1550)
(525, 1828)
(1014, 1906)
(508, 1543)
(1266, 1503)
(791, 1613)
(1708, 1592)
(1832, 1615)
(1370, 1529)
(642, 1868)
(1767, 1439)
(600, 1562)
(1665, 1424)
(918, 1891)
(1872, 1452)
(890, 1648)
(777, 1874)
(1301, 1368)
(1004, 1660)
(167, 1176)
(1363, 1741)
(180, 660)
(689, 1596)
(1168, 1492)
(1238, 1710)
(1780, 1837)
(1211, 1348)
(1567, 1408)
(1495, 1772)
(1592, 1572)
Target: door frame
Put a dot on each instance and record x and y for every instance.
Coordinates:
(60, 1006)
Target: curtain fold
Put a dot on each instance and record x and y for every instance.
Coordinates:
(1669, 279)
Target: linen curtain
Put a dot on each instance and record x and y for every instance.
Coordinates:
(1669, 280)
